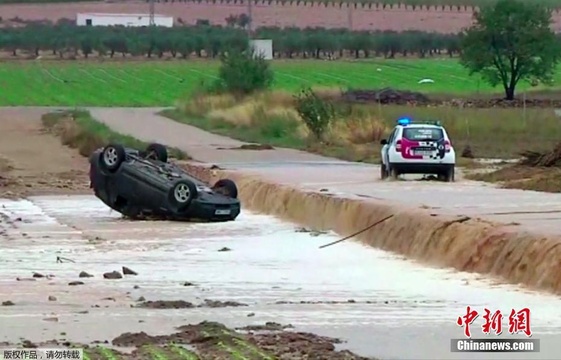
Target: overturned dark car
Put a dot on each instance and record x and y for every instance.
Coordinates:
(143, 184)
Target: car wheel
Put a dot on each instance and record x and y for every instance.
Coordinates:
(226, 187)
(112, 157)
(157, 152)
(394, 174)
(383, 171)
(450, 176)
(181, 194)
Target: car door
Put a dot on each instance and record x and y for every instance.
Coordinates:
(386, 148)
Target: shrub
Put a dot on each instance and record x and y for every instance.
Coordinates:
(274, 125)
(314, 111)
(243, 72)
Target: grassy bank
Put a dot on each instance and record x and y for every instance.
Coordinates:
(77, 129)
(357, 130)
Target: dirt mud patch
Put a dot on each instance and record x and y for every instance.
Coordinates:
(33, 162)
(268, 326)
(538, 171)
(166, 304)
(249, 147)
(463, 243)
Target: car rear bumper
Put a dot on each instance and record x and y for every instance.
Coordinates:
(211, 212)
(425, 168)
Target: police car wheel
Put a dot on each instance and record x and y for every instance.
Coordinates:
(449, 177)
(383, 171)
(393, 173)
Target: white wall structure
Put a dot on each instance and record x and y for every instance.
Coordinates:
(263, 47)
(100, 19)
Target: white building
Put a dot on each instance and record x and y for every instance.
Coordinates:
(263, 47)
(99, 19)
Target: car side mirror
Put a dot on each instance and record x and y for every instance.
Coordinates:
(383, 142)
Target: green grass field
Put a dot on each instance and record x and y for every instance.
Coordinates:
(162, 83)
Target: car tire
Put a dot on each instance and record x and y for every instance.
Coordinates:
(393, 173)
(450, 174)
(112, 157)
(383, 172)
(157, 152)
(226, 187)
(181, 194)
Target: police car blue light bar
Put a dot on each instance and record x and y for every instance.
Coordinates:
(404, 121)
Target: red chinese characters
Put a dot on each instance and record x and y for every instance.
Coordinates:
(518, 321)
(466, 320)
(492, 322)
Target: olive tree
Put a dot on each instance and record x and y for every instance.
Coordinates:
(511, 41)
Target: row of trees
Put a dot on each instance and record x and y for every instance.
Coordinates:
(210, 41)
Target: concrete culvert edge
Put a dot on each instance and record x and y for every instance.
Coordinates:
(463, 243)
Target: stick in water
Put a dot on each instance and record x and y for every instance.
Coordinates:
(357, 233)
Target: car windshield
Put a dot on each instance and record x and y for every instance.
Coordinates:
(423, 133)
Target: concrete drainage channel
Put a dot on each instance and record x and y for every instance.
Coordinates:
(381, 305)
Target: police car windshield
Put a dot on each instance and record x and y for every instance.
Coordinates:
(423, 133)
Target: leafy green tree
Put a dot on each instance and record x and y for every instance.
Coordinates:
(316, 113)
(185, 47)
(244, 72)
(86, 44)
(292, 43)
(511, 41)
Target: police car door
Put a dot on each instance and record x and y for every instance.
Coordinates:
(387, 148)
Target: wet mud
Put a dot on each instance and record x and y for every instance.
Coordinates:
(39, 165)
(460, 242)
(181, 304)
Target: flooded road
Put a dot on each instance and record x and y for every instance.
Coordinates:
(381, 304)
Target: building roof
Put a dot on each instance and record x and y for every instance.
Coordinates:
(121, 15)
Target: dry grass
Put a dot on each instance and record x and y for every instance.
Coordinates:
(270, 118)
(65, 126)
(491, 133)
(356, 132)
(78, 130)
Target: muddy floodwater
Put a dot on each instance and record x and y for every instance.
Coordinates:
(380, 304)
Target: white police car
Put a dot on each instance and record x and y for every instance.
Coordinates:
(418, 148)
